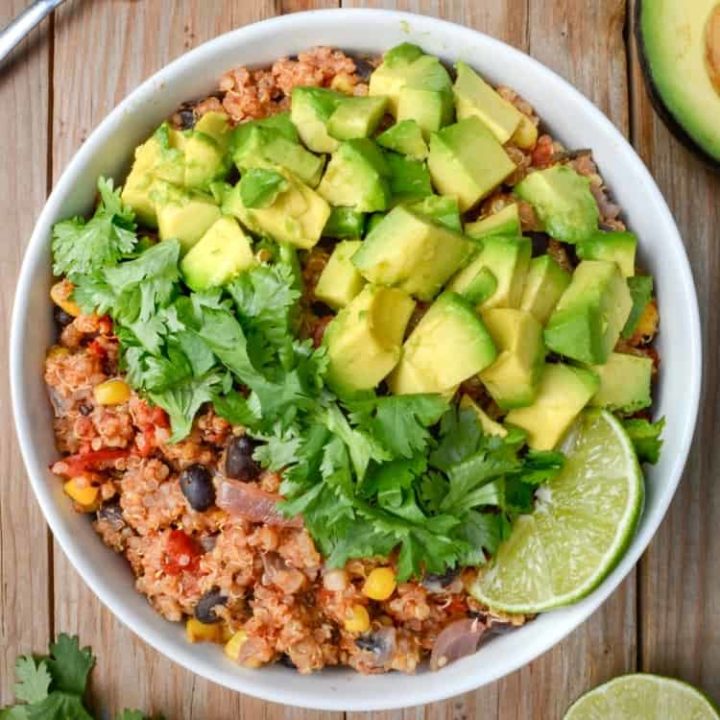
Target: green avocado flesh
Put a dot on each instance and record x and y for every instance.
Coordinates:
(675, 47)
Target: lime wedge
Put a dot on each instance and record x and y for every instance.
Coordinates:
(581, 525)
(643, 697)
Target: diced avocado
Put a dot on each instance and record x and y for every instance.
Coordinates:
(217, 126)
(592, 311)
(356, 117)
(504, 222)
(137, 194)
(508, 259)
(448, 345)
(406, 138)
(467, 161)
(340, 281)
(344, 223)
(311, 108)
(409, 179)
(620, 247)
(222, 252)
(431, 109)
(186, 217)
(562, 393)
(481, 288)
(411, 252)
(475, 98)
(364, 339)
(373, 221)
(624, 383)
(281, 123)
(255, 145)
(164, 154)
(204, 161)
(442, 209)
(526, 135)
(562, 201)
(488, 425)
(545, 282)
(402, 54)
(296, 216)
(357, 177)
(641, 290)
(513, 378)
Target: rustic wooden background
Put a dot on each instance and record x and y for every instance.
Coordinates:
(64, 79)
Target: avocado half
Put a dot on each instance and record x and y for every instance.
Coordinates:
(679, 48)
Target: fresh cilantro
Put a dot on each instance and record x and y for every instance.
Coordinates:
(645, 436)
(69, 664)
(58, 706)
(641, 289)
(259, 187)
(33, 679)
(80, 247)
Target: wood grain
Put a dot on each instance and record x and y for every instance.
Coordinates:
(679, 582)
(24, 572)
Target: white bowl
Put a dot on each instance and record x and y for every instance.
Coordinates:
(570, 117)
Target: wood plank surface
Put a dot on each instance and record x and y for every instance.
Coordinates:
(665, 618)
(24, 572)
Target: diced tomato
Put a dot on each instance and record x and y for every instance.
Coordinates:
(543, 152)
(96, 348)
(160, 418)
(457, 606)
(105, 325)
(91, 460)
(182, 553)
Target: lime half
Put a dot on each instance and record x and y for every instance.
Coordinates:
(643, 697)
(582, 523)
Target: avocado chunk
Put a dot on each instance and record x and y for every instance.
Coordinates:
(590, 314)
(409, 251)
(513, 378)
(409, 179)
(504, 222)
(545, 283)
(223, 252)
(448, 345)
(619, 247)
(340, 282)
(137, 195)
(357, 176)
(475, 98)
(163, 154)
(184, 216)
(217, 126)
(625, 382)
(204, 161)
(508, 260)
(562, 393)
(488, 425)
(256, 145)
(467, 161)
(641, 292)
(562, 201)
(405, 138)
(297, 214)
(310, 110)
(373, 221)
(430, 109)
(344, 223)
(680, 56)
(442, 209)
(364, 340)
(356, 117)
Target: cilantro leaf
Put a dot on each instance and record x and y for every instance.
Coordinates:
(132, 715)
(58, 706)
(33, 679)
(14, 712)
(260, 186)
(69, 664)
(645, 436)
(80, 247)
(641, 289)
(482, 533)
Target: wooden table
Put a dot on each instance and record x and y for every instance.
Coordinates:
(58, 86)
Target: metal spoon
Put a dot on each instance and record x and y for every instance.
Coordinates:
(13, 33)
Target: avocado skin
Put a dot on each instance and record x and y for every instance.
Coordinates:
(673, 124)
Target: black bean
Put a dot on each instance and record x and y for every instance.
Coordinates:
(205, 608)
(363, 69)
(197, 486)
(112, 514)
(84, 409)
(286, 661)
(187, 118)
(61, 317)
(239, 463)
(441, 579)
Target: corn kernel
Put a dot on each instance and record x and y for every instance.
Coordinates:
(357, 620)
(233, 645)
(85, 496)
(112, 392)
(342, 83)
(380, 584)
(526, 134)
(196, 631)
(59, 295)
(57, 351)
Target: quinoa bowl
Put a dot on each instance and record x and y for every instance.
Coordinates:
(108, 152)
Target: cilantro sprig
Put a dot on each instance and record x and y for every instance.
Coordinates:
(53, 687)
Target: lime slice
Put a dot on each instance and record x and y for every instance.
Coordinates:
(643, 697)
(581, 525)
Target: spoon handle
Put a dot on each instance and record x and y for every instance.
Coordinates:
(13, 33)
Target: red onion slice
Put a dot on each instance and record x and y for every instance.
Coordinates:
(457, 640)
(252, 503)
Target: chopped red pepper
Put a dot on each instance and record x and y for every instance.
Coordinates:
(91, 460)
(182, 553)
